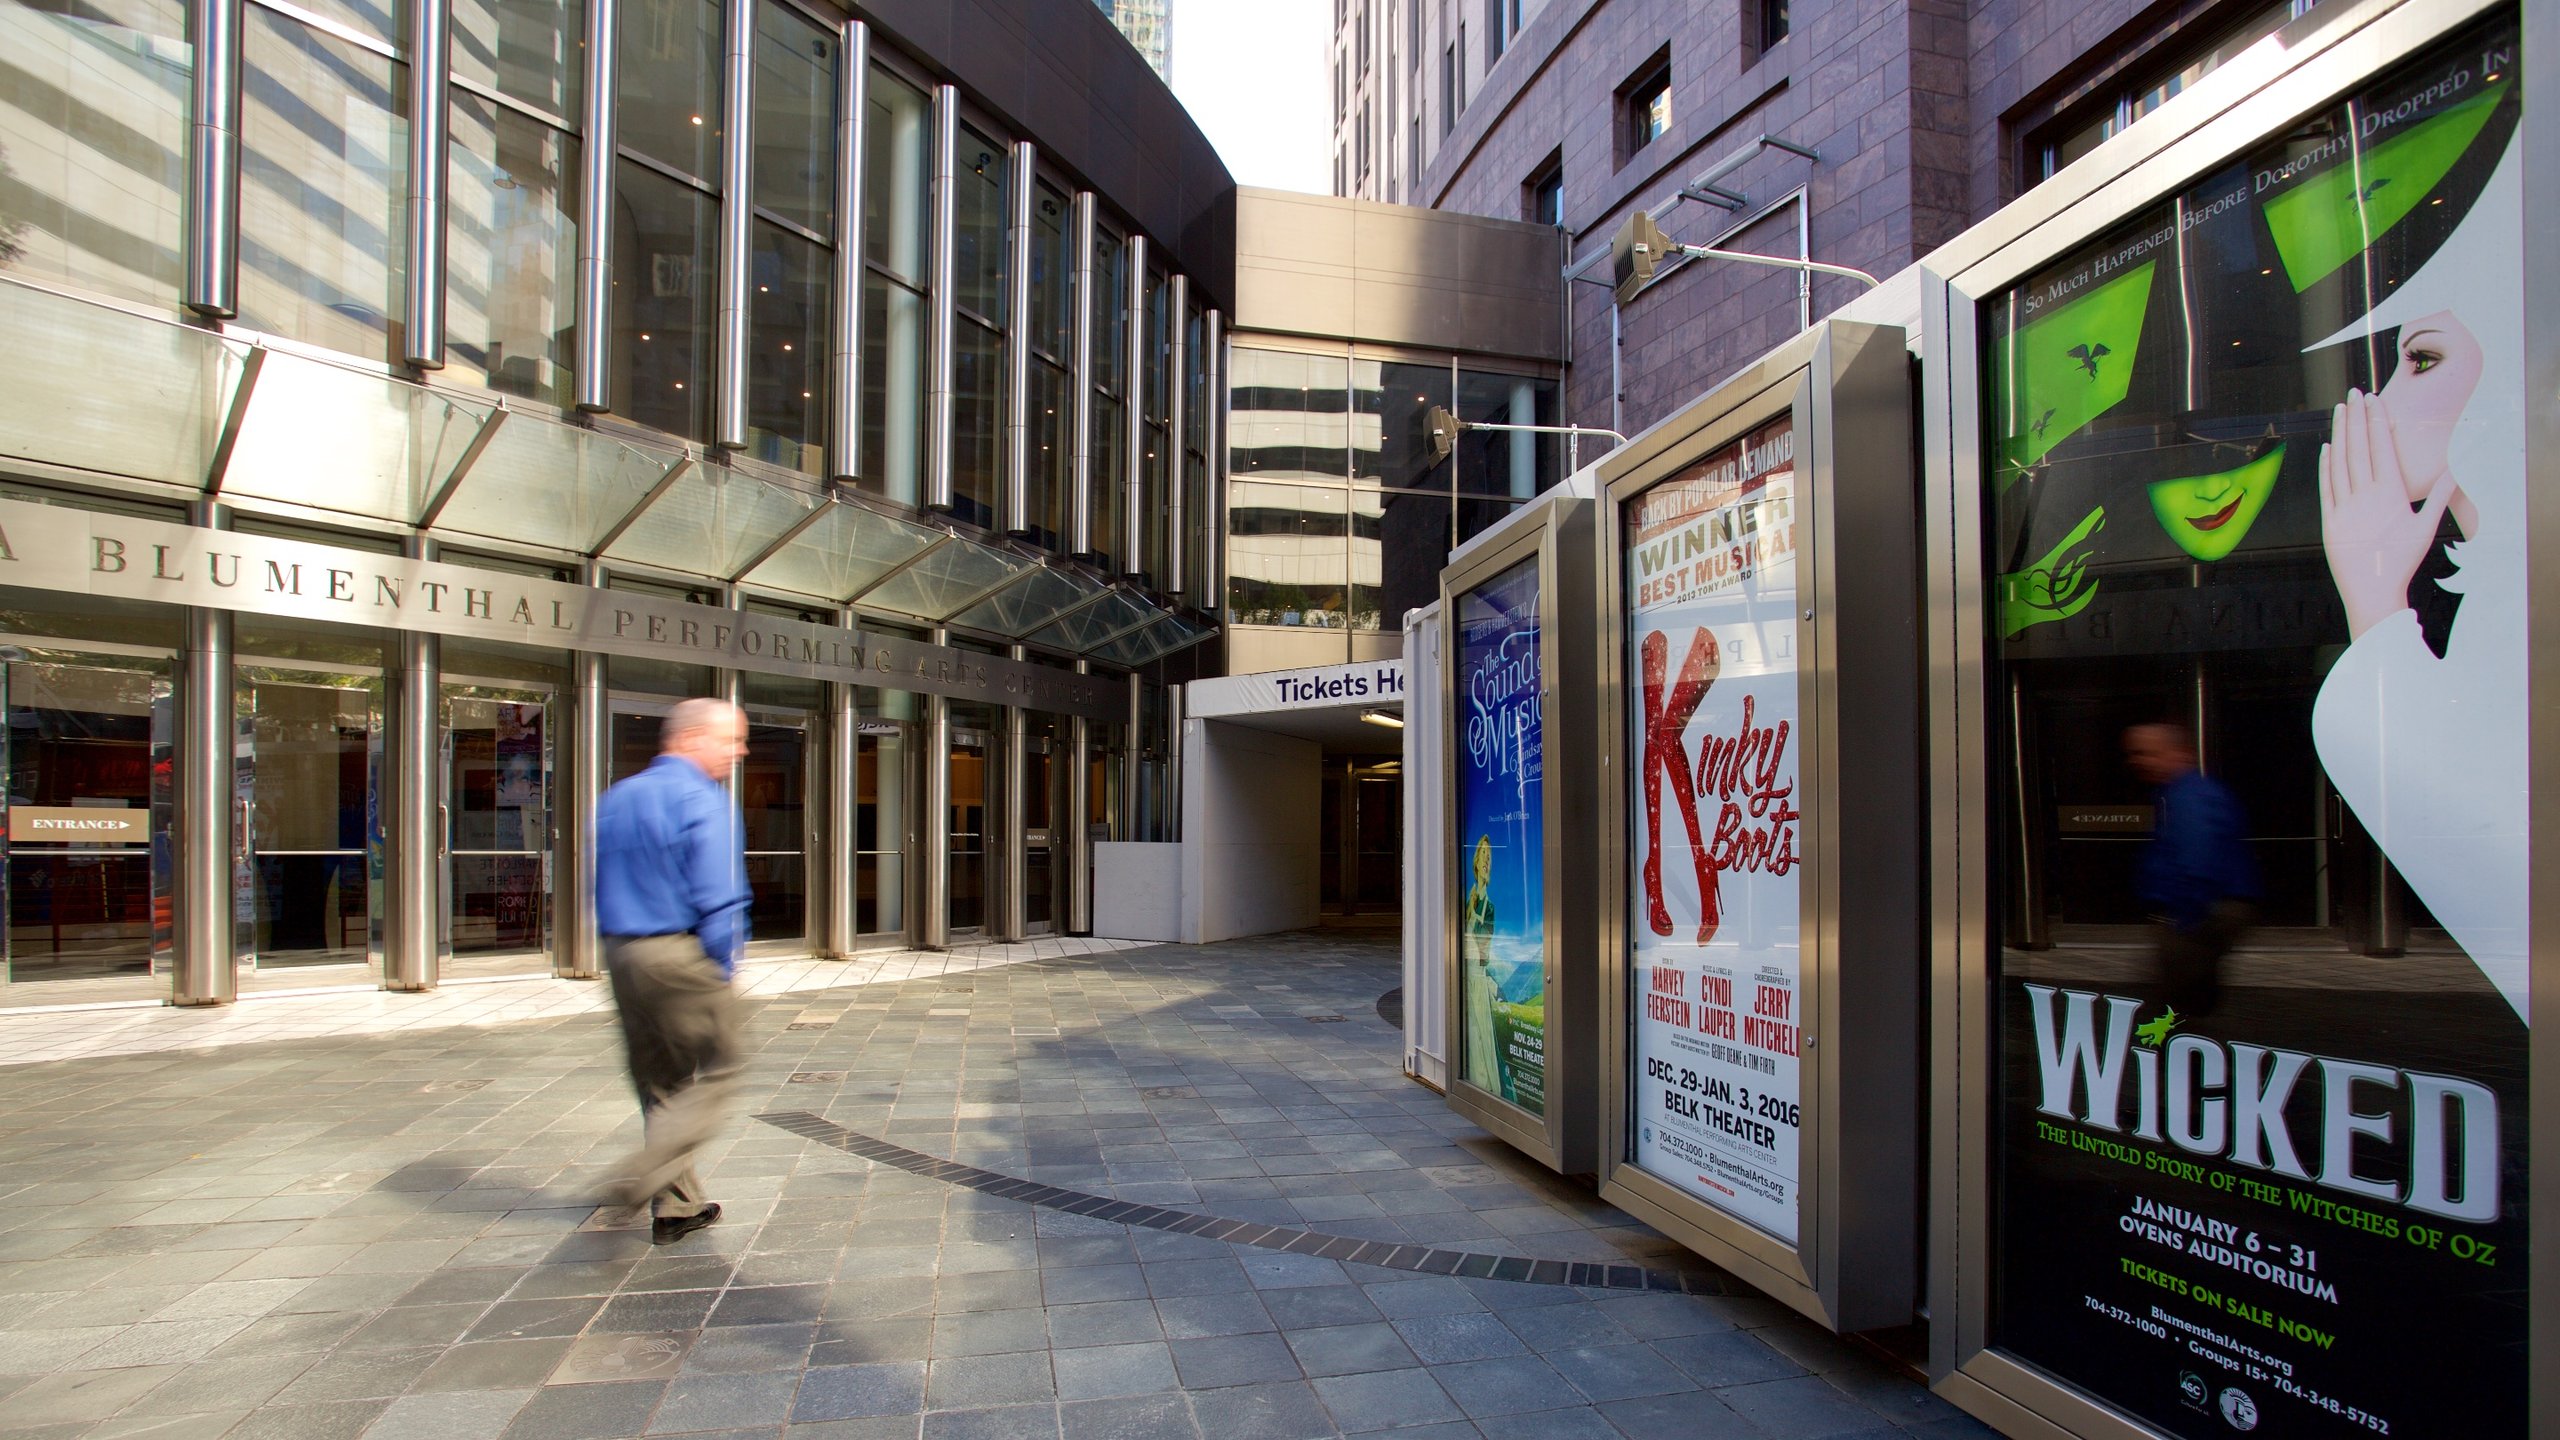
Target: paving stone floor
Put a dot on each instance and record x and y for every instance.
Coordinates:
(388, 1234)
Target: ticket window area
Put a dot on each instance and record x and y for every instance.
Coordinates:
(972, 728)
(87, 837)
(307, 764)
(883, 818)
(497, 819)
(1361, 837)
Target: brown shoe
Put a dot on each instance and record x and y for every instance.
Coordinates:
(664, 1231)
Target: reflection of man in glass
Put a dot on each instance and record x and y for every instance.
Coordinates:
(2197, 878)
(2430, 749)
(1483, 1062)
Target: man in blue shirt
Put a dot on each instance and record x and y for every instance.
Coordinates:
(671, 902)
(2198, 877)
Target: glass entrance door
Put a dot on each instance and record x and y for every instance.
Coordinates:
(881, 823)
(86, 832)
(970, 736)
(1044, 808)
(497, 820)
(307, 767)
(773, 801)
(1360, 838)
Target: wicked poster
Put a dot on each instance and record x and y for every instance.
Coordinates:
(1710, 570)
(1501, 860)
(2257, 523)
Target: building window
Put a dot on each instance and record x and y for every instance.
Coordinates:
(792, 252)
(1360, 143)
(896, 132)
(1110, 435)
(1413, 150)
(667, 210)
(104, 216)
(2083, 125)
(1051, 333)
(1644, 105)
(1156, 461)
(1360, 43)
(1448, 90)
(1501, 25)
(1768, 25)
(512, 246)
(979, 295)
(1542, 195)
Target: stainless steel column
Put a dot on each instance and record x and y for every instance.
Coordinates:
(844, 327)
(210, 826)
(1017, 348)
(1078, 916)
(595, 220)
(214, 29)
(430, 46)
(413, 929)
(1133, 751)
(578, 952)
(1173, 697)
(1177, 310)
(940, 274)
(737, 200)
(932, 927)
(844, 815)
(1212, 521)
(1133, 473)
(1012, 862)
(1080, 430)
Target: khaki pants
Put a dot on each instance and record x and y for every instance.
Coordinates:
(679, 1026)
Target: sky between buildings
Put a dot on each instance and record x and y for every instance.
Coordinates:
(1253, 75)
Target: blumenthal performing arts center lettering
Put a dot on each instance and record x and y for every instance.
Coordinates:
(1711, 597)
(2259, 476)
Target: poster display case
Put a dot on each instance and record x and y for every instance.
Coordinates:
(1758, 687)
(1522, 992)
(2228, 487)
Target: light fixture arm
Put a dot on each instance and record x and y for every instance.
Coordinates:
(1783, 262)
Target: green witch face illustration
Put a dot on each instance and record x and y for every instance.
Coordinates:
(2208, 515)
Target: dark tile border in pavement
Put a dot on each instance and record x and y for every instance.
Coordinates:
(1420, 1259)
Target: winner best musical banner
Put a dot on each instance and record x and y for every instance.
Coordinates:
(1710, 570)
(2258, 466)
(1501, 864)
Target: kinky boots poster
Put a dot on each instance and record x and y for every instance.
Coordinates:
(2258, 516)
(1711, 674)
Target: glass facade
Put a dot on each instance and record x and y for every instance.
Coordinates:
(324, 159)
(103, 217)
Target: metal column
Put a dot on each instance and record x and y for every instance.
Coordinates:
(1012, 858)
(430, 41)
(737, 154)
(1177, 310)
(211, 829)
(1134, 355)
(1017, 350)
(213, 163)
(844, 816)
(1212, 521)
(1173, 696)
(940, 273)
(1077, 918)
(932, 927)
(595, 222)
(1133, 751)
(844, 332)
(578, 951)
(1080, 429)
(412, 939)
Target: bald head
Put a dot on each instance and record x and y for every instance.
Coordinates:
(710, 733)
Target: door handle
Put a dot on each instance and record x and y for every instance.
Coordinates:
(240, 825)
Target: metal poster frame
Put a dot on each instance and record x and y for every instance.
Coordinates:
(1855, 1263)
(2327, 54)
(1559, 543)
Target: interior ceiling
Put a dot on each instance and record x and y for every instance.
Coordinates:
(1338, 728)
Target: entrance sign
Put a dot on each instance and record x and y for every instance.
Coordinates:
(1500, 864)
(53, 547)
(116, 824)
(2254, 507)
(1709, 568)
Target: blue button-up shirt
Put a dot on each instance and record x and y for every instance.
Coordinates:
(670, 858)
(2199, 851)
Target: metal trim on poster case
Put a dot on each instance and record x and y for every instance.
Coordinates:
(2232, 112)
(1539, 1135)
(1851, 1265)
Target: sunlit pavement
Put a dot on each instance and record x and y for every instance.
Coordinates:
(369, 1215)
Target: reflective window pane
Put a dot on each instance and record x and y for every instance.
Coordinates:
(1110, 300)
(512, 235)
(977, 421)
(384, 20)
(1159, 348)
(324, 149)
(1496, 462)
(1195, 379)
(978, 224)
(93, 144)
(1110, 474)
(1052, 453)
(1415, 535)
(787, 350)
(1053, 274)
(1390, 441)
(665, 251)
(1287, 555)
(670, 84)
(894, 175)
(1287, 415)
(795, 130)
(528, 50)
(892, 390)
